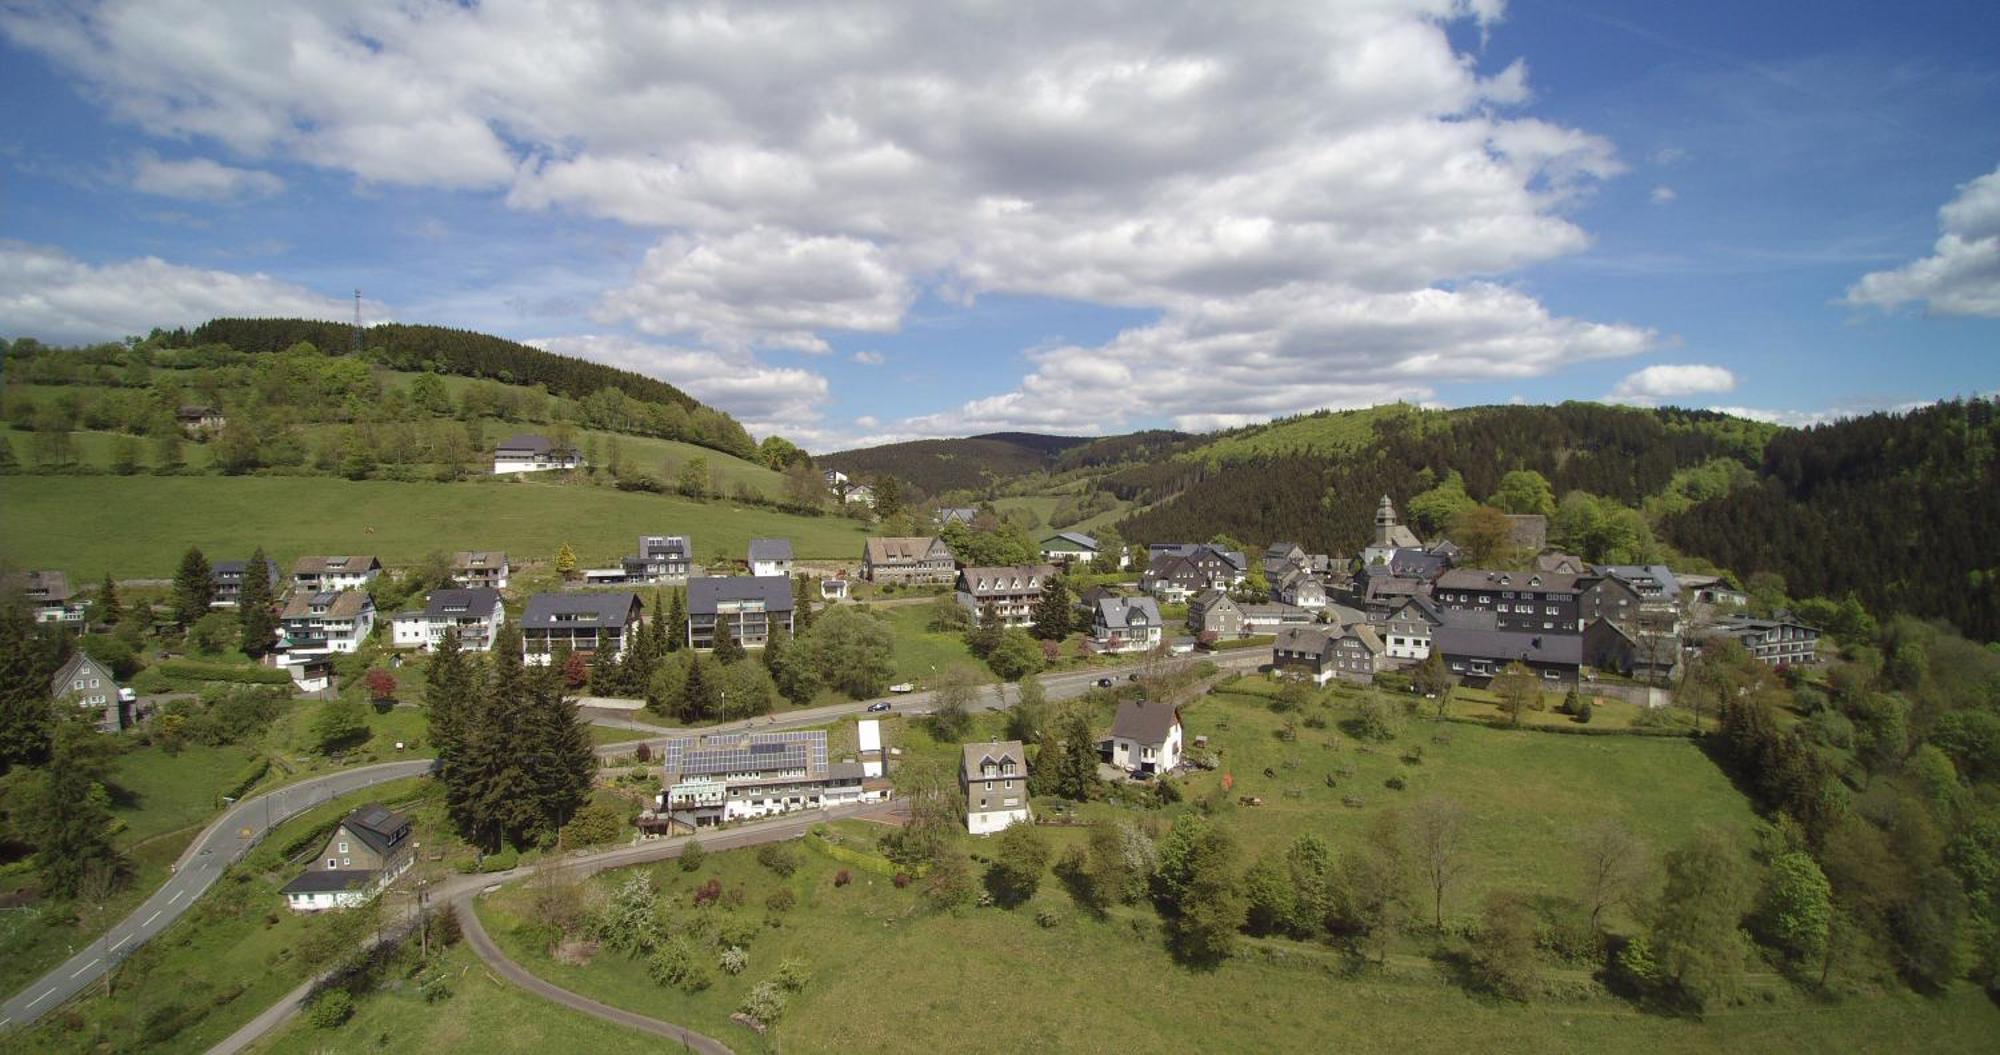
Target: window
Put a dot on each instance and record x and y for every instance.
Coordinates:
(94, 683)
(331, 863)
(343, 846)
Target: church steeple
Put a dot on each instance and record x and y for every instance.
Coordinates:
(1385, 523)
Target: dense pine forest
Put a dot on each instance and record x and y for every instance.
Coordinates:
(975, 463)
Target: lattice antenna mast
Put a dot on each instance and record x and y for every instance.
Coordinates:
(357, 322)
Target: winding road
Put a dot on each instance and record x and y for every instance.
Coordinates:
(244, 824)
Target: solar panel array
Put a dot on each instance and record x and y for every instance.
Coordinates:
(747, 753)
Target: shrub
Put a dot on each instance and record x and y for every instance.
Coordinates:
(842, 878)
(692, 855)
(781, 900)
(708, 893)
(333, 1008)
(778, 858)
(1396, 783)
(792, 974)
(595, 824)
(901, 880)
(765, 1002)
(507, 858)
(734, 960)
(674, 965)
(1582, 712)
(1047, 917)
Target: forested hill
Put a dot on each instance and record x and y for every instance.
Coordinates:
(1903, 510)
(970, 464)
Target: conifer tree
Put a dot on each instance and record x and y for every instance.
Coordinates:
(253, 607)
(698, 697)
(677, 615)
(560, 762)
(605, 677)
(727, 649)
(450, 696)
(802, 607)
(29, 657)
(109, 611)
(1053, 617)
(565, 561)
(70, 827)
(194, 587)
(493, 802)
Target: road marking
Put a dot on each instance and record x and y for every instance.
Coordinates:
(121, 941)
(151, 918)
(41, 998)
(85, 967)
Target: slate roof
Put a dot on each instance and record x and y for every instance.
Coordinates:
(972, 756)
(1517, 581)
(1144, 723)
(378, 826)
(1315, 640)
(770, 549)
(1005, 580)
(329, 880)
(78, 663)
(529, 442)
(705, 592)
(233, 569)
(457, 603)
(1646, 580)
(51, 585)
(900, 549)
(339, 604)
(479, 559)
(1508, 645)
(1115, 613)
(1194, 550)
(611, 609)
(1076, 538)
(336, 564)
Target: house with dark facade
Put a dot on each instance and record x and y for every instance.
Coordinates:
(1215, 612)
(751, 607)
(1640, 654)
(580, 622)
(1474, 656)
(1526, 601)
(370, 848)
(227, 578)
(907, 560)
(1219, 567)
(1353, 652)
(89, 684)
(994, 777)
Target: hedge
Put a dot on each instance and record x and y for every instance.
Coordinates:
(200, 670)
(251, 774)
(881, 866)
(1259, 641)
(1573, 729)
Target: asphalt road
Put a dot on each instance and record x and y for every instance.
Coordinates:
(460, 890)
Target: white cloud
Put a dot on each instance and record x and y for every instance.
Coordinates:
(870, 358)
(56, 297)
(1317, 208)
(1663, 195)
(764, 398)
(201, 179)
(1962, 274)
(1649, 386)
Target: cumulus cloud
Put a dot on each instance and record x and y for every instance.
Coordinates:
(1649, 386)
(1962, 274)
(870, 358)
(764, 398)
(1316, 209)
(1663, 195)
(56, 297)
(201, 179)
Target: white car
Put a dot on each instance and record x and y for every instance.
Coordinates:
(127, 696)
(902, 687)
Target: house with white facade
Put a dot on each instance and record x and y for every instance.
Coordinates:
(724, 777)
(326, 621)
(1125, 624)
(1013, 591)
(1075, 547)
(49, 596)
(476, 614)
(530, 453)
(341, 572)
(580, 622)
(994, 777)
(1146, 737)
(1406, 633)
(474, 568)
(370, 848)
(770, 556)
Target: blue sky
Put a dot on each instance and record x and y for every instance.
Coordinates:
(856, 222)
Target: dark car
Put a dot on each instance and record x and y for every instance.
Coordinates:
(1132, 677)
(878, 705)
(1104, 683)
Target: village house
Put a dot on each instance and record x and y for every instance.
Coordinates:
(1300, 588)
(1214, 612)
(662, 560)
(1219, 567)
(1643, 655)
(994, 777)
(907, 561)
(1563, 563)
(1530, 602)
(836, 481)
(1711, 592)
(1353, 652)
(1271, 618)
(227, 578)
(1173, 579)
(480, 568)
(370, 848)
(860, 494)
(833, 589)
(326, 621)
(1013, 591)
(88, 682)
(48, 595)
(719, 778)
(475, 613)
(1146, 737)
(1635, 596)
(1406, 634)
(1125, 624)
(749, 606)
(313, 574)
(770, 556)
(954, 515)
(1775, 641)
(199, 420)
(530, 453)
(1282, 557)
(580, 622)
(1074, 547)
(1474, 656)
(1390, 535)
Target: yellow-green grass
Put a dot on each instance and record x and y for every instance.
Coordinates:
(923, 654)
(483, 1014)
(889, 976)
(35, 939)
(138, 527)
(230, 957)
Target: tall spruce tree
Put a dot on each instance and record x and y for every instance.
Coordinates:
(605, 677)
(557, 748)
(70, 826)
(451, 696)
(109, 610)
(494, 801)
(1076, 767)
(727, 649)
(1053, 616)
(802, 606)
(677, 615)
(194, 587)
(253, 609)
(699, 698)
(30, 655)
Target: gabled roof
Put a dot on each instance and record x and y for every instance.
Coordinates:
(1426, 609)
(78, 664)
(1172, 567)
(468, 559)
(1645, 579)
(1116, 613)
(531, 443)
(1198, 550)
(1518, 581)
(610, 609)
(1211, 598)
(707, 592)
(1015, 578)
(378, 826)
(329, 880)
(1145, 723)
(444, 604)
(1505, 646)
(1076, 539)
(48, 585)
(1365, 634)
(1310, 639)
(338, 604)
(902, 549)
(974, 756)
(234, 569)
(338, 564)
(770, 549)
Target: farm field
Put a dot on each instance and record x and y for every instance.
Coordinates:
(139, 526)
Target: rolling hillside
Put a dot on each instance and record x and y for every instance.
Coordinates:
(972, 464)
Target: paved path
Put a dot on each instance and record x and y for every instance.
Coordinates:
(222, 843)
(459, 891)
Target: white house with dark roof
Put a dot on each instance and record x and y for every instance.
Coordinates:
(530, 453)
(751, 606)
(1013, 591)
(582, 622)
(476, 568)
(1073, 547)
(723, 777)
(1146, 737)
(770, 556)
(994, 776)
(48, 594)
(476, 614)
(89, 683)
(370, 848)
(339, 572)
(1125, 624)
(326, 621)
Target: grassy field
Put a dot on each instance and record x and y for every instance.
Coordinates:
(229, 958)
(483, 1015)
(921, 653)
(890, 977)
(140, 526)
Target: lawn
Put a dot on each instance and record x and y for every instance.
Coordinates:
(889, 976)
(482, 1015)
(140, 525)
(922, 653)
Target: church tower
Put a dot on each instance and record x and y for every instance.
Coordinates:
(1385, 524)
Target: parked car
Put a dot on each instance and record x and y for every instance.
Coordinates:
(878, 705)
(127, 696)
(1134, 676)
(902, 687)
(1104, 683)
